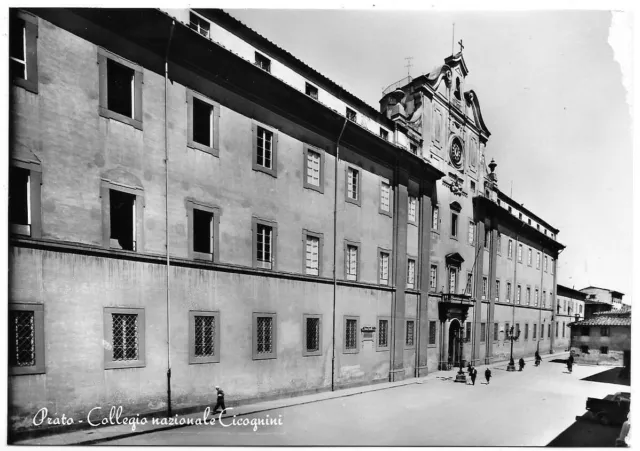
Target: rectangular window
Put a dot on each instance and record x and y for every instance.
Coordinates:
(351, 115)
(264, 145)
(584, 349)
(549, 331)
(485, 288)
(385, 200)
(384, 134)
(469, 287)
(311, 91)
(467, 337)
(497, 290)
(434, 218)
(544, 298)
(264, 336)
(536, 298)
(413, 148)
(313, 168)
(351, 260)
(122, 212)
(454, 225)
(351, 334)
(604, 350)
(605, 331)
(529, 257)
(471, 232)
(383, 334)
(538, 260)
(518, 294)
(487, 239)
(262, 62)
(496, 331)
(472, 187)
(563, 328)
(383, 266)
(453, 279)
(203, 232)
(553, 265)
(432, 332)
(199, 25)
(312, 335)
(510, 249)
(353, 185)
(528, 296)
(411, 273)
(23, 50)
(124, 333)
(312, 255)
(433, 278)
(413, 209)
(526, 331)
(26, 339)
(202, 123)
(483, 332)
(120, 88)
(204, 337)
(506, 330)
(517, 331)
(557, 328)
(519, 253)
(546, 263)
(499, 243)
(409, 336)
(264, 241)
(20, 200)
(508, 291)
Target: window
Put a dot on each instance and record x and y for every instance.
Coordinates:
(413, 210)
(497, 290)
(469, 287)
(433, 278)
(549, 330)
(383, 267)
(351, 336)
(353, 185)
(264, 336)
(24, 199)
(351, 115)
(265, 150)
(506, 330)
(467, 336)
(537, 297)
(203, 120)
(584, 349)
(557, 327)
(413, 148)
(199, 24)
(313, 169)
(383, 334)
(203, 224)
(483, 332)
(485, 288)
(519, 253)
(411, 273)
(529, 257)
(520, 216)
(563, 329)
(544, 298)
(453, 279)
(123, 214)
(311, 91)
(510, 249)
(580, 308)
(409, 341)
(552, 265)
(204, 337)
(351, 258)
(508, 291)
(454, 225)
(26, 339)
(487, 239)
(434, 217)
(384, 134)
(546, 263)
(526, 331)
(432, 333)
(265, 235)
(471, 232)
(538, 260)
(528, 295)
(23, 50)
(499, 243)
(518, 295)
(385, 198)
(517, 331)
(262, 62)
(312, 247)
(120, 89)
(312, 335)
(472, 186)
(604, 350)
(124, 330)
(605, 331)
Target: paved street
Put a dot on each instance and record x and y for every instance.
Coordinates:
(529, 408)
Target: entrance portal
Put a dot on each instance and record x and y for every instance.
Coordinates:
(454, 343)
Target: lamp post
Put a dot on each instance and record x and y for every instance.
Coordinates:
(512, 337)
(460, 377)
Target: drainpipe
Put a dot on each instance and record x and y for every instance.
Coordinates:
(166, 205)
(335, 254)
(541, 336)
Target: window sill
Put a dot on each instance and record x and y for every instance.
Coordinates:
(383, 349)
(106, 113)
(202, 256)
(25, 370)
(352, 201)
(200, 360)
(263, 265)
(204, 148)
(385, 213)
(410, 222)
(272, 172)
(311, 353)
(350, 351)
(123, 365)
(21, 229)
(271, 356)
(29, 85)
(309, 186)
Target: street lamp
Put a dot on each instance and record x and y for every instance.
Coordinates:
(512, 337)
(460, 377)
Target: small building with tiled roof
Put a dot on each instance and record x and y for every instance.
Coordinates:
(603, 339)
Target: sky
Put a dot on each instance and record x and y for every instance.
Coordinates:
(550, 90)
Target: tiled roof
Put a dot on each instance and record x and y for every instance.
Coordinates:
(625, 310)
(603, 320)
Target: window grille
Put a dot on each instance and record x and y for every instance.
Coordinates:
(125, 336)
(352, 184)
(518, 294)
(520, 252)
(538, 260)
(264, 244)
(205, 332)
(384, 196)
(383, 327)
(510, 249)
(264, 335)
(410, 331)
(411, 273)
(313, 168)
(313, 246)
(536, 298)
(264, 149)
(351, 337)
(22, 339)
(384, 268)
(313, 334)
(432, 332)
(469, 287)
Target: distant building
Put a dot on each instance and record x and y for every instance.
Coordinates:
(604, 339)
(604, 296)
(569, 308)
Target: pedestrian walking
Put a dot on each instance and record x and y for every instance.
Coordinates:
(220, 401)
(538, 358)
(569, 365)
(521, 363)
(487, 375)
(474, 374)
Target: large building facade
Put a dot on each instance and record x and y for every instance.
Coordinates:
(191, 206)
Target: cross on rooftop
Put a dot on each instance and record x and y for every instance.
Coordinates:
(461, 45)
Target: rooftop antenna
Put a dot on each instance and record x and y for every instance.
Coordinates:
(511, 193)
(453, 37)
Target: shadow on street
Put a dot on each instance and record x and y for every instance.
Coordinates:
(611, 376)
(586, 431)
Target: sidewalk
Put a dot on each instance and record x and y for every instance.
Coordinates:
(102, 434)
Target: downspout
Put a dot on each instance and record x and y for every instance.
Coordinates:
(540, 300)
(420, 218)
(166, 205)
(335, 254)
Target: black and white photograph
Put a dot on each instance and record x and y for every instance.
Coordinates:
(334, 224)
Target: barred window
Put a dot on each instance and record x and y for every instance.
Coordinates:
(205, 332)
(453, 279)
(413, 208)
(411, 273)
(264, 336)
(313, 168)
(351, 334)
(537, 294)
(385, 190)
(410, 333)
(125, 337)
(313, 335)
(26, 339)
(520, 253)
(352, 183)
(264, 148)
(312, 253)
(432, 332)
(546, 263)
(469, 287)
(384, 268)
(352, 262)
(383, 333)
(483, 332)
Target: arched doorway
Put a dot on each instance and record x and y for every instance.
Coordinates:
(454, 343)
